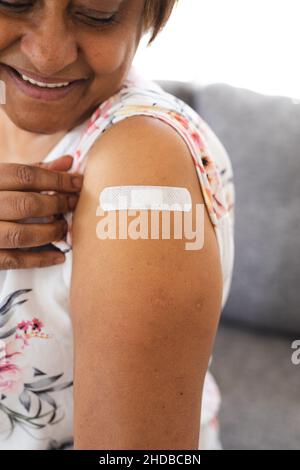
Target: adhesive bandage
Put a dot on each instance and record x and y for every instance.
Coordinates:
(127, 199)
(145, 197)
(2, 92)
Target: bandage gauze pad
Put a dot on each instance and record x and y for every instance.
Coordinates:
(145, 197)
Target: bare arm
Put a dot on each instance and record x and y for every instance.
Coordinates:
(145, 312)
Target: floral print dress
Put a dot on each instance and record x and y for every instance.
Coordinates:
(36, 340)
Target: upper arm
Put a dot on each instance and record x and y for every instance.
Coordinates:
(144, 311)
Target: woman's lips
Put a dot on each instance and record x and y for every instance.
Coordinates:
(38, 78)
(34, 91)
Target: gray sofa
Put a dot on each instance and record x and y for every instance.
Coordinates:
(252, 355)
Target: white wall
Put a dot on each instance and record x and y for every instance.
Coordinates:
(251, 44)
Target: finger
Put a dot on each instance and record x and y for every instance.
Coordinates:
(16, 205)
(60, 164)
(19, 177)
(49, 219)
(16, 259)
(15, 235)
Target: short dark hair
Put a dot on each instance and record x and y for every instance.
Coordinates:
(155, 16)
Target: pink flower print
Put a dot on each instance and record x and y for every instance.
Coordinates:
(181, 119)
(11, 380)
(96, 114)
(77, 155)
(100, 111)
(92, 128)
(208, 163)
(29, 329)
(93, 118)
(105, 108)
(13, 367)
(197, 139)
(13, 363)
(212, 173)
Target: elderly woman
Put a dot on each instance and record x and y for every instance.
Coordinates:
(105, 339)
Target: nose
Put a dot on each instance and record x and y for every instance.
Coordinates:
(50, 46)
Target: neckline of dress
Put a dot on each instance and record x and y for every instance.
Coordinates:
(78, 131)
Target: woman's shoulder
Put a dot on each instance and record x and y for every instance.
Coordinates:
(143, 96)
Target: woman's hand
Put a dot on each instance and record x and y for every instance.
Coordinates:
(21, 199)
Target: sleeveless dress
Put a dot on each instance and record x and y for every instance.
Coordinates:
(36, 340)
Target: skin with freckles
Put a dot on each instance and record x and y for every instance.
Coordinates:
(62, 39)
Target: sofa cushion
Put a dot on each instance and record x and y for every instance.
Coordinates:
(259, 390)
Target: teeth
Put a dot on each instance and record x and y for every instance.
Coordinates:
(44, 85)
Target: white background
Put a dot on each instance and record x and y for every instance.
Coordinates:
(251, 44)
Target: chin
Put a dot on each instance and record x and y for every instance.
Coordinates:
(36, 128)
(37, 124)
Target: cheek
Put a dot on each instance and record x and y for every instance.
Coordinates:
(8, 33)
(106, 56)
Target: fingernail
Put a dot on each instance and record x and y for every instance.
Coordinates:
(77, 181)
(59, 259)
(72, 200)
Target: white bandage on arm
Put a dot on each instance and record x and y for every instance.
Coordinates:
(145, 197)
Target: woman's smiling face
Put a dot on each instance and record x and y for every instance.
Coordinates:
(61, 41)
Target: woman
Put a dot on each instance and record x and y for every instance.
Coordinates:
(140, 314)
